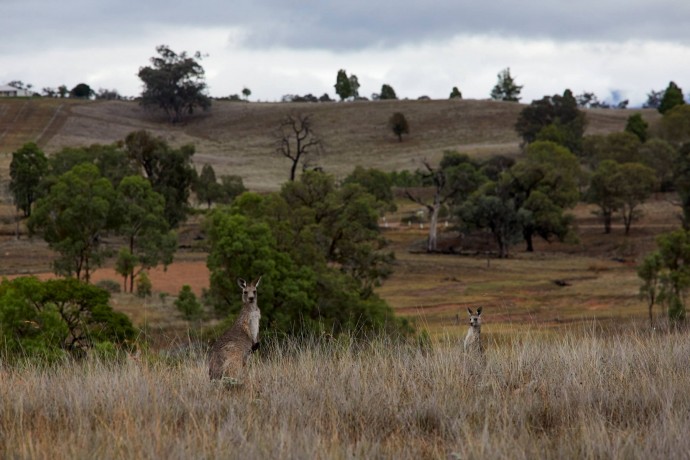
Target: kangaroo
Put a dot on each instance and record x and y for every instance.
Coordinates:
(473, 340)
(229, 354)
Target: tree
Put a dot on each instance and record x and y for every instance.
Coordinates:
(141, 221)
(342, 85)
(663, 158)
(453, 180)
(542, 186)
(492, 208)
(653, 99)
(387, 92)
(675, 125)
(672, 97)
(506, 89)
(231, 186)
(666, 274)
(82, 91)
(398, 124)
(28, 167)
(455, 93)
(188, 304)
(604, 191)
(206, 187)
(621, 147)
(354, 86)
(73, 217)
(46, 317)
(650, 272)
(637, 182)
(295, 139)
(375, 182)
(317, 247)
(174, 83)
(559, 115)
(246, 92)
(637, 126)
(170, 171)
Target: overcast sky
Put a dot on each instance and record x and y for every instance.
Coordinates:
(614, 48)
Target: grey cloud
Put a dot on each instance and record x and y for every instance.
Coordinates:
(352, 25)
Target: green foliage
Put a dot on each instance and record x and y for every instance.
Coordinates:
(506, 89)
(231, 186)
(387, 92)
(621, 147)
(682, 182)
(663, 158)
(405, 178)
(560, 118)
(675, 125)
(673, 96)
(28, 167)
(140, 221)
(111, 286)
(666, 274)
(144, 286)
(637, 182)
(455, 93)
(174, 83)
(637, 126)
(206, 186)
(620, 187)
(319, 251)
(82, 91)
(49, 318)
(376, 183)
(398, 124)
(72, 218)
(342, 85)
(188, 304)
(170, 171)
(492, 208)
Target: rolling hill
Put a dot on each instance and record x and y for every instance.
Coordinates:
(236, 137)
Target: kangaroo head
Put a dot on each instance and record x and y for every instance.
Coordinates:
(475, 318)
(248, 290)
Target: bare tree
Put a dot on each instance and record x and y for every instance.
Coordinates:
(295, 138)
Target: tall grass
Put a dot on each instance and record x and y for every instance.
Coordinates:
(574, 396)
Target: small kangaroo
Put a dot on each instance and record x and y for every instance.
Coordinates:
(473, 340)
(229, 354)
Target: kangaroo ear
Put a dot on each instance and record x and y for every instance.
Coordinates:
(256, 283)
(469, 311)
(241, 283)
(479, 311)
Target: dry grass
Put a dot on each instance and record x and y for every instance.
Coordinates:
(569, 396)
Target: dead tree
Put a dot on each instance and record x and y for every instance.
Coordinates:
(295, 138)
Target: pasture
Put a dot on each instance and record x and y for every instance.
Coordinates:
(571, 369)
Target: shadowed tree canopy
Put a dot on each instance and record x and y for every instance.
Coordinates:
(28, 167)
(672, 97)
(553, 118)
(387, 92)
(169, 170)
(174, 83)
(398, 124)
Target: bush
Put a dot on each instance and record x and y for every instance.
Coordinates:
(111, 286)
(144, 286)
(188, 304)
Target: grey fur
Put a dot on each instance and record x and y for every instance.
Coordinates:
(230, 352)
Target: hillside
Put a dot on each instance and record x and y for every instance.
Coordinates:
(236, 138)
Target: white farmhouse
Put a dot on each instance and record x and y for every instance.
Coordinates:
(11, 91)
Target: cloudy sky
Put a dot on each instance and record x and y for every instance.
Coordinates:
(614, 48)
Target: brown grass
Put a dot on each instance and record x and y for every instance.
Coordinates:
(569, 396)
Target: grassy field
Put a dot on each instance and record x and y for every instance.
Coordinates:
(575, 395)
(571, 369)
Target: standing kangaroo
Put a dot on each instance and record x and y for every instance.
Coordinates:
(229, 354)
(473, 340)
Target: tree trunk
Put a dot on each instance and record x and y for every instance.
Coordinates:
(607, 222)
(433, 225)
(528, 240)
